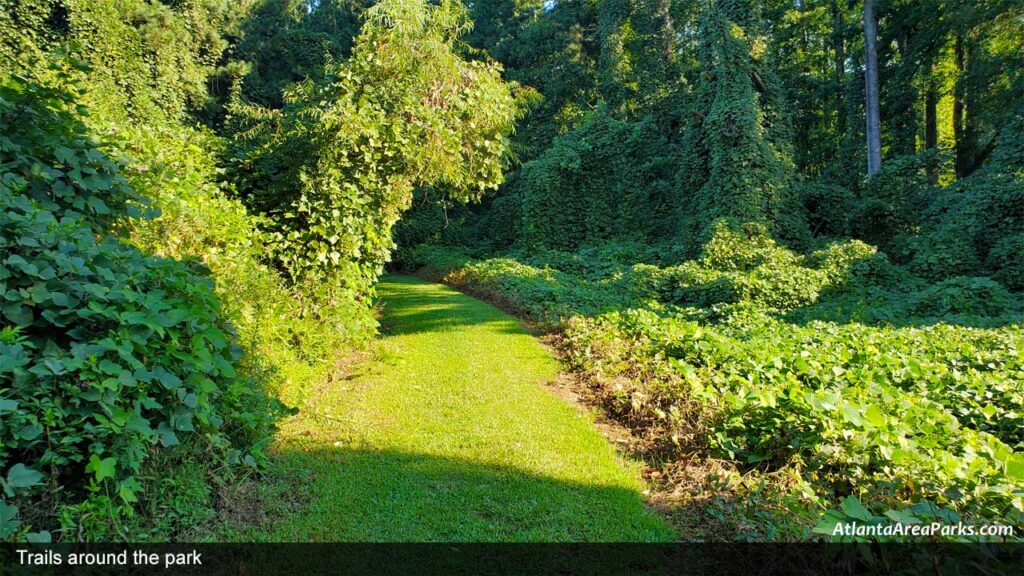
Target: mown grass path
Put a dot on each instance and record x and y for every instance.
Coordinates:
(449, 435)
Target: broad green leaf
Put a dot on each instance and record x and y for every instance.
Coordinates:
(20, 476)
(854, 509)
(102, 468)
(8, 519)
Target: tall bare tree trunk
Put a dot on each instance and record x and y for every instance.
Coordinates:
(931, 123)
(874, 122)
(667, 31)
(960, 160)
(839, 63)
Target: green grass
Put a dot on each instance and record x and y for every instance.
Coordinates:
(448, 435)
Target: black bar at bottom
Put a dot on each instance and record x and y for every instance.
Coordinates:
(481, 559)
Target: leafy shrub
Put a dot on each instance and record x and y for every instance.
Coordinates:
(1005, 259)
(741, 248)
(963, 297)
(830, 208)
(975, 226)
(744, 264)
(892, 203)
(149, 62)
(109, 356)
(857, 409)
(288, 341)
(855, 264)
(594, 183)
(336, 166)
(49, 156)
(544, 293)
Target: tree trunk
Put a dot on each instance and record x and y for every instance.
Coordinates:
(874, 137)
(960, 159)
(904, 126)
(931, 124)
(668, 34)
(840, 66)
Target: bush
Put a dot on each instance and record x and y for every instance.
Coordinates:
(109, 358)
(856, 410)
(288, 340)
(855, 264)
(594, 184)
(336, 166)
(962, 296)
(1005, 259)
(975, 226)
(49, 156)
(109, 355)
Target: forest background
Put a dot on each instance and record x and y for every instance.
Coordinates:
(198, 197)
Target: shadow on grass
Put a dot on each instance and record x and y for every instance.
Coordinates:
(413, 307)
(367, 495)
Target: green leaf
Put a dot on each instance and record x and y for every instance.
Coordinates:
(169, 381)
(1015, 468)
(103, 469)
(55, 365)
(854, 509)
(827, 525)
(108, 367)
(30, 432)
(43, 537)
(874, 415)
(167, 436)
(18, 314)
(8, 519)
(20, 476)
(902, 516)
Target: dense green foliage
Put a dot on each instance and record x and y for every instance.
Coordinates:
(335, 167)
(782, 362)
(107, 352)
(276, 295)
(893, 417)
(675, 113)
(197, 198)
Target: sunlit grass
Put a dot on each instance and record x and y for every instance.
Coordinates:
(449, 435)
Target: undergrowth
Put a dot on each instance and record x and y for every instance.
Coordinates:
(813, 377)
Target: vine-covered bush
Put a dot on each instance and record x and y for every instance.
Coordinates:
(110, 358)
(970, 227)
(176, 166)
(50, 157)
(142, 80)
(742, 263)
(149, 61)
(595, 183)
(336, 167)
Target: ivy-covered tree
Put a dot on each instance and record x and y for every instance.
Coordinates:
(337, 165)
